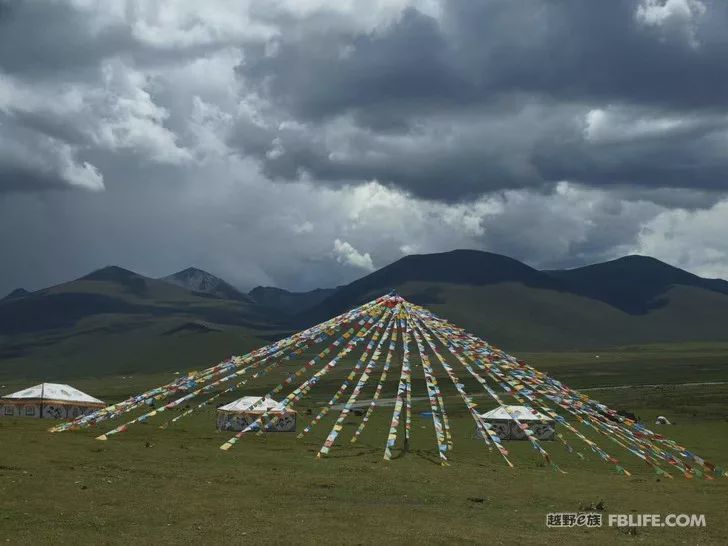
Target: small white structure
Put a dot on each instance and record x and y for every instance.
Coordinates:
(242, 412)
(49, 401)
(502, 423)
(662, 420)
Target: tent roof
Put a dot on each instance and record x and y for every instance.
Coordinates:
(506, 413)
(251, 404)
(53, 391)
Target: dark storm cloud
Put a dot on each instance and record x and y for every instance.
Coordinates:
(51, 39)
(64, 40)
(498, 95)
(592, 51)
(320, 75)
(24, 178)
(184, 115)
(569, 50)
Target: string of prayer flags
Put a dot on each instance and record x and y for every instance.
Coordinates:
(404, 378)
(345, 385)
(385, 329)
(183, 384)
(263, 356)
(380, 385)
(433, 392)
(485, 431)
(366, 326)
(338, 425)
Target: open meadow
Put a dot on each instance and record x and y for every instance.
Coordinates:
(175, 486)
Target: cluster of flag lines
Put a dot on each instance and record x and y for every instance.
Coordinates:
(393, 334)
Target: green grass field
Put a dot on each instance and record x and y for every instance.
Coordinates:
(175, 486)
(636, 365)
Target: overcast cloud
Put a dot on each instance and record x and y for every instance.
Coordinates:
(304, 143)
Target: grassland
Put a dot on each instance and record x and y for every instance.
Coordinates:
(636, 365)
(175, 486)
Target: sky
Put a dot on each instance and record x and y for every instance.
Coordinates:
(306, 143)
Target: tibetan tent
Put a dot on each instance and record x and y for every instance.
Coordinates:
(237, 415)
(49, 401)
(502, 421)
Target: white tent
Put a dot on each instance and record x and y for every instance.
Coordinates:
(242, 412)
(49, 401)
(501, 421)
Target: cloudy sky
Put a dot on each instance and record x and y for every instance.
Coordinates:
(303, 143)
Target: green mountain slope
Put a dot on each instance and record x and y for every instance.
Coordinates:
(520, 318)
(114, 290)
(458, 267)
(117, 321)
(122, 345)
(510, 304)
(634, 284)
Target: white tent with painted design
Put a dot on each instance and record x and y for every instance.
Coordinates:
(504, 422)
(239, 414)
(49, 401)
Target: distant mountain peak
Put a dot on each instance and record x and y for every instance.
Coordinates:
(194, 278)
(17, 293)
(635, 266)
(426, 274)
(112, 273)
(190, 271)
(635, 284)
(639, 259)
(199, 280)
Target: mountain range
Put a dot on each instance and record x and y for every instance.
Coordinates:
(631, 300)
(129, 320)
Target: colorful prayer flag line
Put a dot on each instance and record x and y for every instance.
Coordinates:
(393, 337)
